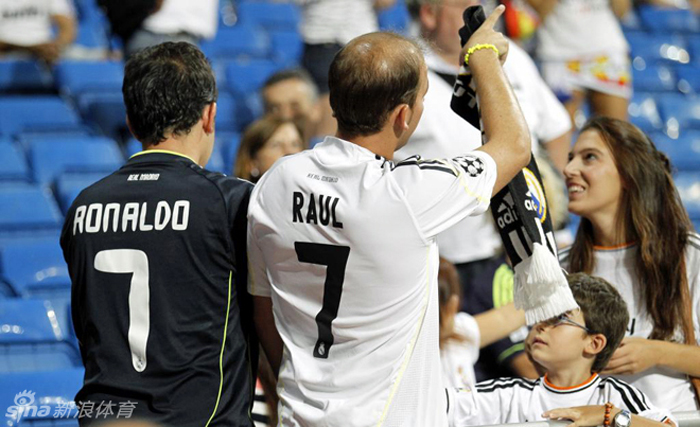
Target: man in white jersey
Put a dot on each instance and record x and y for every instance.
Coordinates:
(342, 240)
(442, 133)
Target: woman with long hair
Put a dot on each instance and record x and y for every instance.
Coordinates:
(265, 141)
(635, 233)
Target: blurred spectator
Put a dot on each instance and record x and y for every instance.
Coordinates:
(265, 141)
(26, 26)
(585, 55)
(443, 134)
(327, 25)
(175, 20)
(292, 95)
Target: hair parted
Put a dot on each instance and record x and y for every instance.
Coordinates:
(652, 215)
(604, 311)
(254, 139)
(369, 77)
(166, 88)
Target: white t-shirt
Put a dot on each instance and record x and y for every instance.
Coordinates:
(361, 335)
(441, 133)
(580, 29)
(200, 18)
(666, 388)
(458, 357)
(28, 22)
(336, 21)
(517, 400)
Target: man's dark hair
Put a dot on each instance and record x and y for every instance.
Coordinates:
(369, 77)
(604, 311)
(166, 88)
(291, 74)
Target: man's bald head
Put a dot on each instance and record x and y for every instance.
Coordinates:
(369, 77)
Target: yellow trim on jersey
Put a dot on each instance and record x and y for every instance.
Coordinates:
(221, 355)
(469, 191)
(411, 345)
(175, 153)
(514, 349)
(502, 287)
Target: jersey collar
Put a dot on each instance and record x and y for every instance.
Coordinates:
(173, 153)
(565, 390)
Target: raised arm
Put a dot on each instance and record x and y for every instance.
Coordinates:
(506, 131)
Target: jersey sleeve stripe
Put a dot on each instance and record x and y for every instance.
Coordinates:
(636, 394)
(625, 397)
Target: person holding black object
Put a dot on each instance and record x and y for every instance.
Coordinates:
(342, 241)
(156, 252)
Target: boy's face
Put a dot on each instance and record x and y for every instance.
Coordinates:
(560, 342)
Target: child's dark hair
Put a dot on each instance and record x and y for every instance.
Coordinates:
(604, 311)
(448, 286)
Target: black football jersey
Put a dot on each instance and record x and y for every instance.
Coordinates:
(157, 256)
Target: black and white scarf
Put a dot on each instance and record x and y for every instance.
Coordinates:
(520, 213)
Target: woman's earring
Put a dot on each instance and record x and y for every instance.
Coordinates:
(254, 172)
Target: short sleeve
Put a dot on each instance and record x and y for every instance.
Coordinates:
(692, 268)
(442, 192)
(486, 404)
(466, 325)
(258, 280)
(62, 7)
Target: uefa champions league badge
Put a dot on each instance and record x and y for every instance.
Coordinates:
(537, 202)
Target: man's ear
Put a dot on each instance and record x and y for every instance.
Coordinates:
(400, 117)
(596, 344)
(427, 16)
(209, 117)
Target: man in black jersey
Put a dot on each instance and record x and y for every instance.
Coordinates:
(156, 254)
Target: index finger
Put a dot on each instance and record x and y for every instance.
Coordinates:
(493, 17)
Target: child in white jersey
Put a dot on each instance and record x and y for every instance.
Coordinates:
(571, 349)
(462, 335)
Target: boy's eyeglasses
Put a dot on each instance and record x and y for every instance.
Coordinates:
(563, 319)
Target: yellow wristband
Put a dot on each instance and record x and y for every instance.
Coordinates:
(479, 47)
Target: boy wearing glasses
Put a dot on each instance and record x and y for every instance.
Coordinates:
(571, 349)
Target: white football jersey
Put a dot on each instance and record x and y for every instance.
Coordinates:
(517, 400)
(343, 241)
(666, 387)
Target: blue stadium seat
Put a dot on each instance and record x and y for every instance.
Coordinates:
(31, 338)
(69, 185)
(24, 75)
(654, 48)
(13, 164)
(238, 41)
(667, 20)
(643, 112)
(77, 77)
(51, 157)
(688, 184)
(27, 207)
(92, 35)
(226, 112)
(105, 110)
(229, 149)
(36, 113)
(394, 18)
(270, 15)
(34, 267)
(688, 78)
(287, 47)
(684, 152)
(55, 389)
(679, 111)
(245, 77)
(654, 78)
